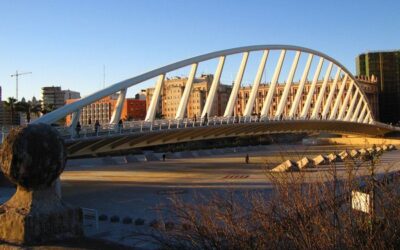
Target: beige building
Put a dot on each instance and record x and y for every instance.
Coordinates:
(172, 91)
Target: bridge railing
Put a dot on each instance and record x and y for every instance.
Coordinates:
(132, 127)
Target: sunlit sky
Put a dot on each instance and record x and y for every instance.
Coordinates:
(66, 43)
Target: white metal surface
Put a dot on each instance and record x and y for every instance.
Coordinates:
(351, 107)
(272, 86)
(213, 89)
(357, 111)
(256, 84)
(70, 108)
(74, 121)
(322, 92)
(286, 90)
(238, 80)
(310, 94)
(345, 101)
(151, 112)
(180, 113)
(299, 92)
(338, 98)
(361, 117)
(116, 116)
(331, 93)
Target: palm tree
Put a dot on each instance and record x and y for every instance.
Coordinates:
(28, 108)
(10, 105)
(47, 108)
(36, 106)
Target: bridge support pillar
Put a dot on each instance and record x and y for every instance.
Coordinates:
(116, 116)
(289, 81)
(214, 86)
(333, 113)
(180, 113)
(151, 112)
(249, 107)
(328, 102)
(306, 108)
(75, 119)
(238, 80)
(272, 86)
(299, 92)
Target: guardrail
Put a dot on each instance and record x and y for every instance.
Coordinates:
(131, 127)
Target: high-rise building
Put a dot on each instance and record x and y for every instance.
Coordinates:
(385, 65)
(54, 97)
(69, 94)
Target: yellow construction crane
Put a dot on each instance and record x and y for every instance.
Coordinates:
(16, 75)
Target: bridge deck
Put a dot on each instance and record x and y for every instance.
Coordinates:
(124, 139)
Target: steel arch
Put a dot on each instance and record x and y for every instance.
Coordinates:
(123, 85)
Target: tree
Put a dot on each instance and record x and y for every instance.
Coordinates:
(28, 108)
(47, 108)
(10, 105)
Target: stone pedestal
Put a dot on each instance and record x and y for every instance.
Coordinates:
(33, 158)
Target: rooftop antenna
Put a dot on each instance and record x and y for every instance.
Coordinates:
(16, 75)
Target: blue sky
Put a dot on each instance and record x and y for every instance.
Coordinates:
(67, 42)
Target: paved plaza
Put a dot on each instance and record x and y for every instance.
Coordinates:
(136, 189)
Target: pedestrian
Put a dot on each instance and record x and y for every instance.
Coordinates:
(206, 119)
(163, 157)
(247, 158)
(96, 127)
(78, 129)
(258, 117)
(120, 125)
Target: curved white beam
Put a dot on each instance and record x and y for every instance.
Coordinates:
(70, 108)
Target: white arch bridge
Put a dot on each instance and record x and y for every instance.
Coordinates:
(328, 100)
